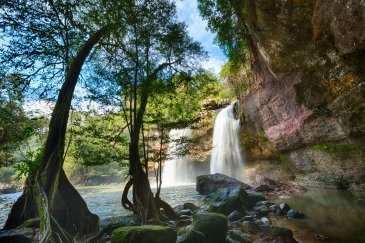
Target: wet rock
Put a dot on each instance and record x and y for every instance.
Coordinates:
(189, 235)
(207, 184)
(190, 206)
(144, 234)
(213, 225)
(184, 222)
(265, 221)
(185, 217)
(283, 209)
(107, 225)
(25, 235)
(235, 215)
(294, 214)
(186, 212)
(274, 208)
(253, 198)
(277, 234)
(262, 211)
(239, 236)
(250, 227)
(248, 218)
(178, 208)
(227, 200)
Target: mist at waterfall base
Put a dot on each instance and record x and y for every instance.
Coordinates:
(178, 170)
(226, 155)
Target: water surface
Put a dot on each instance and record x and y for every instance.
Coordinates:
(332, 213)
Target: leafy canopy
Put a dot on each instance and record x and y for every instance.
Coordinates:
(231, 36)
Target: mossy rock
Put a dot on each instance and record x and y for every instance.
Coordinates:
(213, 225)
(144, 234)
(189, 235)
(239, 236)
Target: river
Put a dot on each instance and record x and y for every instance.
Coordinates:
(331, 213)
(105, 200)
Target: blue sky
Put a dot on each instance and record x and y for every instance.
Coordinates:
(187, 11)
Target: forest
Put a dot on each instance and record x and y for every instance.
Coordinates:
(184, 121)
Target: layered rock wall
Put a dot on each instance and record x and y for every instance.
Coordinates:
(306, 106)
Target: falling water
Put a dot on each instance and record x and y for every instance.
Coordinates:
(226, 154)
(177, 170)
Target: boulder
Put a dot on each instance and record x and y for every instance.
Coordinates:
(235, 215)
(238, 236)
(206, 184)
(294, 214)
(107, 225)
(273, 187)
(144, 234)
(262, 210)
(189, 235)
(283, 209)
(190, 206)
(213, 225)
(186, 212)
(277, 234)
(227, 200)
(274, 208)
(253, 198)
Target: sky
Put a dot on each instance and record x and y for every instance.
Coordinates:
(187, 11)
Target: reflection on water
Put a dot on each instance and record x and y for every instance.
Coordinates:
(332, 213)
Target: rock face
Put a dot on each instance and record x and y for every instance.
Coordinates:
(206, 184)
(306, 106)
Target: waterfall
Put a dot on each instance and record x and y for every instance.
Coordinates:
(226, 154)
(177, 170)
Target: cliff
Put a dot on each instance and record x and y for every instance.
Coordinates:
(304, 114)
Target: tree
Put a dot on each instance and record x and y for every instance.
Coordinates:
(153, 49)
(43, 44)
(15, 126)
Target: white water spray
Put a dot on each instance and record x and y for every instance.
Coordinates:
(226, 154)
(177, 170)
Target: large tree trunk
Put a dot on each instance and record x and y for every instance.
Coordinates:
(48, 194)
(144, 203)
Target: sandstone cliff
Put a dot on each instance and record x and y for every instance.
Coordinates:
(304, 115)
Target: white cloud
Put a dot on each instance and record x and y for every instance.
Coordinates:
(39, 108)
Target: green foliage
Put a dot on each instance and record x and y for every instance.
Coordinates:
(97, 139)
(335, 148)
(28, 164)
(15, 126)
(177, 103)
(231, 36)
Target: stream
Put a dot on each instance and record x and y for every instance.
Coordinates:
(330, 213)
(105, 200)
